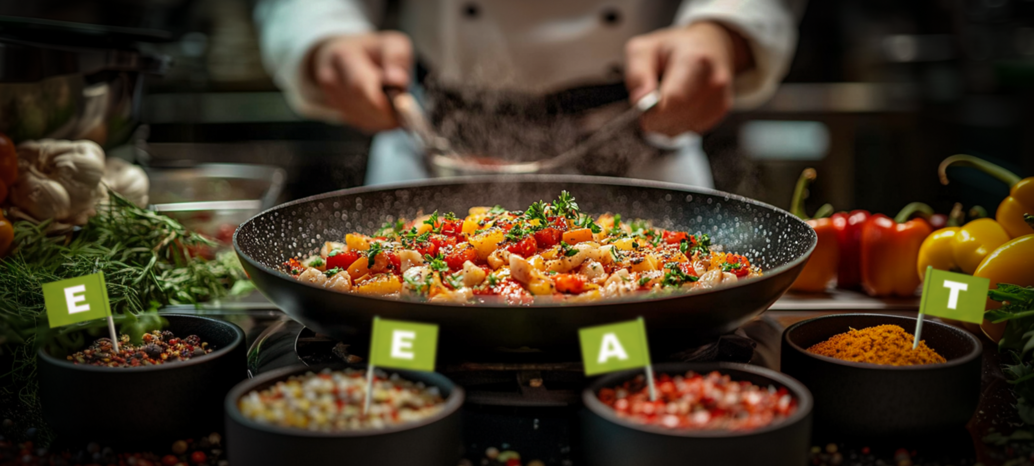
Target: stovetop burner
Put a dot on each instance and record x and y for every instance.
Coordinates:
(528, 402)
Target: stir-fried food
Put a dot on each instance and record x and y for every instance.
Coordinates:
(550, 251)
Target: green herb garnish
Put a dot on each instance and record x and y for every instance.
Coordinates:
(566, 206)
(674, 276)
(331, 272)
(436, 263)
(375, 248)
(567, 249)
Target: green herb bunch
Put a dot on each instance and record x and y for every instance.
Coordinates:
(1016, 347)
(149, 260)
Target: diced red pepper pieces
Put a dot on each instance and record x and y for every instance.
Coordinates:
(676, 237)
(456, 256)
(341, 259)
(526, 247)
(570, 283)
(548, 237)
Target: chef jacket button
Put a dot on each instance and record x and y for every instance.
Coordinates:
(611, 17)
(471, 10)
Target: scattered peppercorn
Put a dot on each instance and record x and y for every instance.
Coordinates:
(158, 347)
(883, 344)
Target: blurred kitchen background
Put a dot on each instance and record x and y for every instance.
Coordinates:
(879, 92)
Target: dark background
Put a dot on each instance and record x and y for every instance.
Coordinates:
(896, 85)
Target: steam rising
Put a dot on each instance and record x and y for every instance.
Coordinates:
(517, 127)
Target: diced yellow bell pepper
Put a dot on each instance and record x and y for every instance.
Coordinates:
(380, 284)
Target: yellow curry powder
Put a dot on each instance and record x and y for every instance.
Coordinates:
(883, 344)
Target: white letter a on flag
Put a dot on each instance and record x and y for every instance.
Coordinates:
(610, 348)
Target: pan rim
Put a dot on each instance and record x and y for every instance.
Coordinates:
(580, 179)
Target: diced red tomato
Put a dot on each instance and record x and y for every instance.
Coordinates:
(441, 242)
(742, 267)
(524, 248)
(451, 227)
(676, 237)
(548, 237)
(341, 259)
(570, 283)
(426, 248)
(687, 269)
(395, 261)
(559, 223)
(456, 256)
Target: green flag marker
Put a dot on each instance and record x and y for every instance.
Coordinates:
(400, 345)
(615, 347)
(952, 296)
(403, 345)
(77, 300)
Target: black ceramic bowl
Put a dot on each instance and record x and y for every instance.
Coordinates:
(145, 405)
(862, 399)
(436, 440)
(610, 440)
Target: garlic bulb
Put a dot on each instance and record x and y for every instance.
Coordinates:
(60, 179)
(128, 180)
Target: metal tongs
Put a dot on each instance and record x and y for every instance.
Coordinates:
(413, 119)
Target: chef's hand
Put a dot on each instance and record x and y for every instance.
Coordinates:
(353, 70)
(695, 66)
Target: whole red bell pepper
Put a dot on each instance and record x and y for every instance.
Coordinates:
(890, 249)
(821, 268)
(848, 227)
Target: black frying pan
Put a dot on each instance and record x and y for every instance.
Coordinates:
(772, 238)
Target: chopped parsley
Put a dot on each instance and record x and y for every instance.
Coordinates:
(418, 286)
(644, 280)
(701, 244)
(334, 252)
(375, 248)
(674, 276)
(567, 250)
(586, 222)
(635, 245)
(317, 262)
(537, 211)
(456, 280)
(433, 221)
(516, 233)
(331, 272)
(615, 254)
(436, 263)
(498, 209)
(731, 266)
(492, 279)
(565, 205)
(616, 229)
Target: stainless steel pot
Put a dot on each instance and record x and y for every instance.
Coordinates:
(68, 92)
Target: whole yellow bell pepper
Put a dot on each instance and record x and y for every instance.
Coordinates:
(960, 248)
(1010, 263)
(1021, 193)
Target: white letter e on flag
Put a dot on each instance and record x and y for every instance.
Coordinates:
(610, 348)
(402, 340)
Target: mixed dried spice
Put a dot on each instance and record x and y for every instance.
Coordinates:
(700, 402)
(883, 344)
(332, 401)
(157, 347)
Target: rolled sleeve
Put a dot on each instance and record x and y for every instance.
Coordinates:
(288, 31)
(770, 29)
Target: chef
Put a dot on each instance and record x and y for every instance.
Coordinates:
(704, 56)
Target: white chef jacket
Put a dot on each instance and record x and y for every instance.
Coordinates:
(535, 46)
